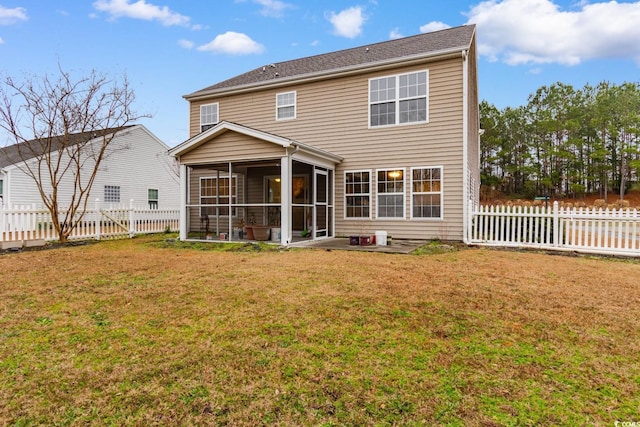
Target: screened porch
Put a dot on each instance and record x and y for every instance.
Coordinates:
(259, 201)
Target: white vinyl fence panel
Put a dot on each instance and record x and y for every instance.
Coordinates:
(23, 223)
(591, 230)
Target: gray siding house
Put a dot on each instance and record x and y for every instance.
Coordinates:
(378, 137)
(137, 167)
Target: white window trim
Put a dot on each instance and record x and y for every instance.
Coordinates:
(403, 193)
(232, 198)
(370, 194)
(294, 105)
(397, 100)
(202, 123)
(441, 193)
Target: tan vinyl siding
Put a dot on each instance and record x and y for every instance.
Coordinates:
(473, 141)
(232, 146)
(333, 115)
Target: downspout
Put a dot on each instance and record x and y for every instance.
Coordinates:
(465, 153)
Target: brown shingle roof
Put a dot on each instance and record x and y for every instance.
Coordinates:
(17, 153)
(422, 44)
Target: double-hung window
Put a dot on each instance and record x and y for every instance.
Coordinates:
(286, 106)
(152, 198)
(208, 116)
(357, 190)
(398, 99)
(390, 184)
(218, 193)
(426, 192)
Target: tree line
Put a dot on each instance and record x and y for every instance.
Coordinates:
(565, 141)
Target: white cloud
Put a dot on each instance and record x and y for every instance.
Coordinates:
(232, 43)
(1, 41)
(141, 10)
(347, 23)
(395, 34)
(11, 16)
(539, 32)
(433, 26)
(273, 8)
(186, 44)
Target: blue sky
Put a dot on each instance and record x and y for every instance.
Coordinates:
(169, 48)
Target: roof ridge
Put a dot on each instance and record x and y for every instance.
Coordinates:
(388, 50)
(12, 154)
(380, 43)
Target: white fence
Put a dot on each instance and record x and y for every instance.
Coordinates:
(591, 230)
(25, 223)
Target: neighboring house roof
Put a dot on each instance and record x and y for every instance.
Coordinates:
(398, 50)
(16, 153)
(225, 126)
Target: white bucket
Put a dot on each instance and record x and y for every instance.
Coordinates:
(381, 238)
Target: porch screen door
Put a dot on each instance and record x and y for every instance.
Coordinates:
(321, 217)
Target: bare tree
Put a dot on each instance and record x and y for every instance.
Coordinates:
(62, 129)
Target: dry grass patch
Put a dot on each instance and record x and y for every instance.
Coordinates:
(141, 332)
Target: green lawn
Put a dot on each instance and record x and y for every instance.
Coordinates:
(147, 332)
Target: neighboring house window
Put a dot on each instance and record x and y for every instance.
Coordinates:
(1, 192)
(112, 193)
(426, 192)
(390, 184)
(217, 191)
(208, 116)
(398, 99)
(357, 190)
(153, 198)
(286, 105)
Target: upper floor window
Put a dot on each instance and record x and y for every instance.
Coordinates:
(286, 105)
(112, 193)
(208, 116)
(398, 99)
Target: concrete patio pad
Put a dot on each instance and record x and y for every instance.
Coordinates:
(396, 246)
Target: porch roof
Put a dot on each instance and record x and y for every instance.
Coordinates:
(225, 126)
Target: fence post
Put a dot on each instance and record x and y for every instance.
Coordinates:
(132, 223)
(98, 218)
(556, 224)
(468, 231)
